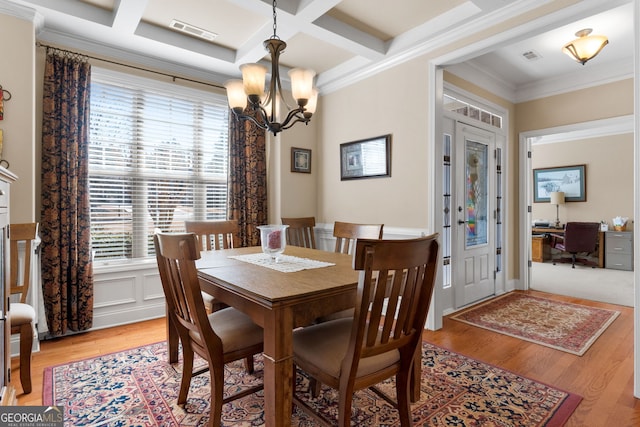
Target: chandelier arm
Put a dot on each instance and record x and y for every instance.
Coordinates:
(298, 115)
(274, 99)
(297, 120)
(252, 119)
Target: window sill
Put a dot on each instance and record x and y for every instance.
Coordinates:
(117, 266)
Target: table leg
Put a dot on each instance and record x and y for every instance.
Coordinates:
(278, 368)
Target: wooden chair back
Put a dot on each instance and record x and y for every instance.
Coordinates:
(395, 286)
(214, 235)
(405, 270)
(346, 233)
(20, 278)
(301, 231)
(176, 255)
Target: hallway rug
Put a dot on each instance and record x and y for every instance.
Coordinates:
(561, 325)
(138, 387)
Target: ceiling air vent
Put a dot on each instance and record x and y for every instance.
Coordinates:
(531, 55)
(192, 30)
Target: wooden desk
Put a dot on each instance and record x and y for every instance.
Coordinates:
(279, 302)
(540, 249)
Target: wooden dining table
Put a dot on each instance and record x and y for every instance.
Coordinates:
(279, 302)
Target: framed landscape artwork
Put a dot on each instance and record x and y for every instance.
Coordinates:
(569, 179)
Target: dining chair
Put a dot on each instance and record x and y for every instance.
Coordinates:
(383, 338)
(300, 231)
(23, 315)
(219, 338)
(213, 235)
(346, 234)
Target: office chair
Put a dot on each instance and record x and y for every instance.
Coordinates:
(579, 237)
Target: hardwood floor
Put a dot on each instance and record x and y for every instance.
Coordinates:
(603, 376)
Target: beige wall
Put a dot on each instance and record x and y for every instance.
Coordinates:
(392, 102)
(600, 102)
(17, 76)
(298, 191)
(609, 177)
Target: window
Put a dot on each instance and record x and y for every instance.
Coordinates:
(451, 103)
(158, 156)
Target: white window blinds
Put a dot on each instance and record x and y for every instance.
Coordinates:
(158, 156)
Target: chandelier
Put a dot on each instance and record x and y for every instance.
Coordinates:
(585, 47)
(249, 92)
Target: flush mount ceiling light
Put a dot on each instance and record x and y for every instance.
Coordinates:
(585, 47)
(249, 92)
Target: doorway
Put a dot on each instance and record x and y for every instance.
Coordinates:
(520, 240)
(590, 143)
(474, 195)
(472, 200)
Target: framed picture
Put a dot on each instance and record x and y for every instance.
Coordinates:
(300, 160)
(367, 158)
(569, 179)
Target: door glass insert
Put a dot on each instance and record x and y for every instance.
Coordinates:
(446, 212)
(498, 209)
(476, 193)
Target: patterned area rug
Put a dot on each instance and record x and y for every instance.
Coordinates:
(556, 324)
(138, 387)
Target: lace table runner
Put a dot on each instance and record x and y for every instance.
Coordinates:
(285, 264)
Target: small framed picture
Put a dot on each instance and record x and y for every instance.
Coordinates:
(300, 160)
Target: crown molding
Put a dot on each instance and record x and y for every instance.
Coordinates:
(577, 131)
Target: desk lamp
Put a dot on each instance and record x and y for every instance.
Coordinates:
(557, 198)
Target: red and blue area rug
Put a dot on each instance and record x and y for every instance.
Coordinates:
(561, 325)
(138, 387)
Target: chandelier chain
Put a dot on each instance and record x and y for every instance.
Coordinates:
(275, 17)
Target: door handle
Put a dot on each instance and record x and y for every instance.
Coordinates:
(461, 222)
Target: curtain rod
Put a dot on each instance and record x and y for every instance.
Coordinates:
(38, 44)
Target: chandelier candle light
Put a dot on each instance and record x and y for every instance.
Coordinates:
(251, 89)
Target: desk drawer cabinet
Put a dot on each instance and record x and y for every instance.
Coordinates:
(619, 250)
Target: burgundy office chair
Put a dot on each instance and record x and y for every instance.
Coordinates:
(579, 237)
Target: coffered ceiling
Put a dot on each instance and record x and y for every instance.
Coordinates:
(342, 40)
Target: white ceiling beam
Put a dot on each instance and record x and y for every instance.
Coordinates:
(347, 37)
(313, 9)
(309, 19)
(433, 27)
(173, 38)
(78, 9)
(128, 14)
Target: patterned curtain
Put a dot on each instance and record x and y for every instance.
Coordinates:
(247, 178)
(67, 270)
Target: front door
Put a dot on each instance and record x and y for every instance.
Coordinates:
(473, 216)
